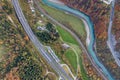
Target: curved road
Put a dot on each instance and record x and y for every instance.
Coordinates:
(111, 39)
(75, 36)
(56, 66)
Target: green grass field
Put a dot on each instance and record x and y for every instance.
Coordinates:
(72, 58)
(67, 19)
(69, 39)
(78, 51)
(66, 36)
(70, 54)
(83, 72)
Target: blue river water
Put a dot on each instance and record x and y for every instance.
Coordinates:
(92, 37)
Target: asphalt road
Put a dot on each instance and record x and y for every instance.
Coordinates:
(56, 66)
(99, 70)
(111, 39)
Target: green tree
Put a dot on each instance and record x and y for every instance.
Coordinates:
(49, 26)
(31, 71)
(44, 36)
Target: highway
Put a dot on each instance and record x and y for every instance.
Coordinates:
(75, 36)
(52, 53)
(56, 66)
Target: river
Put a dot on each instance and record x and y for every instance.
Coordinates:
(91, 29)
